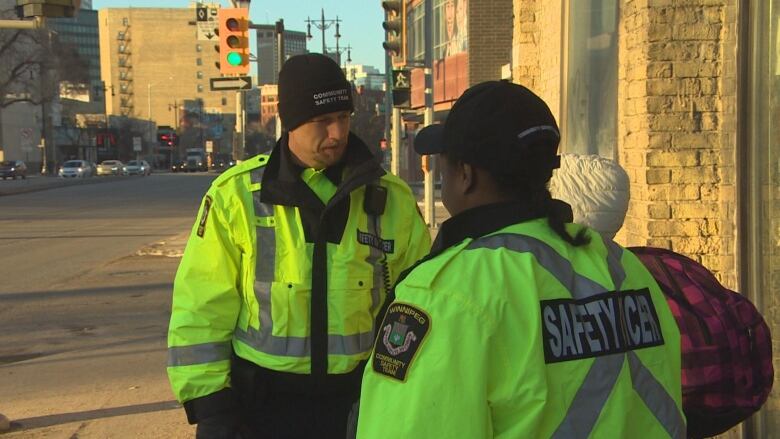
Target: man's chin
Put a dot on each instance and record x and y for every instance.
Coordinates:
(331, 156)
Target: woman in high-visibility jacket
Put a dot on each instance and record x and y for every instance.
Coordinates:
(288, 264)
(517, 325)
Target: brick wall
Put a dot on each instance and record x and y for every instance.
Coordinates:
(536, 55)
(677, 128)
(490, 38)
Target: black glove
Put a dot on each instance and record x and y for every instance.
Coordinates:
(221, 426)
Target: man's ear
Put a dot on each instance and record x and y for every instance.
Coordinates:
(468, 177)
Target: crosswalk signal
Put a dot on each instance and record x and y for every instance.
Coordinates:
(233, 41)
(395, 30)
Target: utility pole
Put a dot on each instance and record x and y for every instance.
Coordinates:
(430, 217)
(279, 61)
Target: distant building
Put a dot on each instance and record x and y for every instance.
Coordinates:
(155, 69)
(269, 98)
(267, 53)
(367, 76)
(81, 33)
(86, 5)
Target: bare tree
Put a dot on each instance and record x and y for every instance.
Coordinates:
(34, 63)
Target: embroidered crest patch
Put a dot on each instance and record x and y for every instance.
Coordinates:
(400, 336)
(205, 216)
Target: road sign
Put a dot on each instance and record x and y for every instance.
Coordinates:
(137, 144)
(209, 146)
(207, 23)
(237, 83)
(26, 137)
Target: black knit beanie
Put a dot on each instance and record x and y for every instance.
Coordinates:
(310, 85)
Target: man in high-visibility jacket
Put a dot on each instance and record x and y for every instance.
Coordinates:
(517, 325)
(285, 271)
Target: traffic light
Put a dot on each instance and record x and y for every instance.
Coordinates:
(395, 28)
(233, 41)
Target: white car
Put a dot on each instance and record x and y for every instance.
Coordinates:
(110, 167)
(76, 168)
(139, 167)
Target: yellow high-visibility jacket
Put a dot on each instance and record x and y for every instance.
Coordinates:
(280, 269)
(507, 331)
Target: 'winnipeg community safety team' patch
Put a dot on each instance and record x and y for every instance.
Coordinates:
(400, 336)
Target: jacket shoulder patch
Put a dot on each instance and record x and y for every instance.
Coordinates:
(400, 336)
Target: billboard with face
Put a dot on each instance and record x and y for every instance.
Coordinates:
(451, 18)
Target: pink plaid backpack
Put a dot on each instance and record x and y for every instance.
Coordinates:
(726, 346)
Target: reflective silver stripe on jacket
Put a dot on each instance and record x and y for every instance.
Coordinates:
(263, 340)
(592, 395)
(199, 353)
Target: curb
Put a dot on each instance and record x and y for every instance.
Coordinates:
(57, 183)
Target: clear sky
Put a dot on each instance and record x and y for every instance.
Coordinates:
(361, 27)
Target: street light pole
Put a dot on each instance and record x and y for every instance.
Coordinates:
(149, 100)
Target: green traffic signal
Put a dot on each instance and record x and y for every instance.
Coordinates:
(234, 58)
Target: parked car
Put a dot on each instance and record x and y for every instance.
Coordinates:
(179, 166)
(13, 169)
(76, 168)
(110, 167)
(137, 167)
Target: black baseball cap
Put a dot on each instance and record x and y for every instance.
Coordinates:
(500, 126)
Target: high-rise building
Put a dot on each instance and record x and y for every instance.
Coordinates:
(81, 33)
(267, 52)
(366, 76)
(156, 69)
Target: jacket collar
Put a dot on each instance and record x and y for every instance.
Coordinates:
(482, 220)
(282, 183)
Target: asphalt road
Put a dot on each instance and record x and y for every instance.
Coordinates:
(82, 318)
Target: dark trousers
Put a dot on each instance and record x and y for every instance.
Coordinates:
(282, 405)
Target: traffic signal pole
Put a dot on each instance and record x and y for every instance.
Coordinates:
(238, 144)
(279, 32)
(395, 141)
(428, 205)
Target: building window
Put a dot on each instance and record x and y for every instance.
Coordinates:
(199, 74)
(198, 48)
(415, 33)
(590, 119)
(125, 21)
(200, 88)
(199, 61)
(120, 36)
(224, 101)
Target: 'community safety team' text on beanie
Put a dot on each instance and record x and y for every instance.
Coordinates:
(311, 85)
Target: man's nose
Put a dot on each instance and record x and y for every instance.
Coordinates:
(337, 130)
